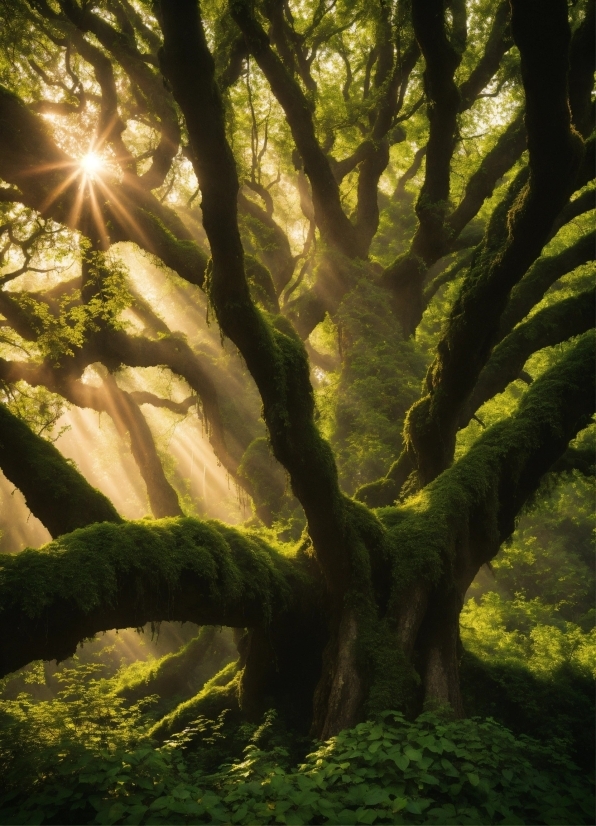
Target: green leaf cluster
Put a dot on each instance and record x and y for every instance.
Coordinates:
(431, 770)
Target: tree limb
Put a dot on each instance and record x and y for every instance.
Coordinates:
(518, 230)
(550, 326)
(542, 275)
(123, 576)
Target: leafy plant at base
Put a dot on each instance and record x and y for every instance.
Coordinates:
(432, 770)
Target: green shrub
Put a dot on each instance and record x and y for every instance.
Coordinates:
(390, 771)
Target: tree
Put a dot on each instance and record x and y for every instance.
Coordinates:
(362, 614)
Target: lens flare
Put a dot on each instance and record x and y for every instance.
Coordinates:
(91, 164)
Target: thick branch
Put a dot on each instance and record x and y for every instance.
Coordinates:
(548, 327)
(515, 237)
(543, 275)
(123, 576)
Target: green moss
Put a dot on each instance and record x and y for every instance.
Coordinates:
(89, 566)
(218, 694)
(264, 479)
(181, 673)
(183, 256)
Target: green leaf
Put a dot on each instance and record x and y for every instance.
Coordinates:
(346, 816)
(160, 803)
(376, 796)
(398, 804)
(401, 761)
(473, 778)
(430, 779)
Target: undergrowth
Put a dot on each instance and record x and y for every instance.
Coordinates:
(95, 766)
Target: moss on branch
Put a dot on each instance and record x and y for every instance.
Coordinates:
(549, 326)
(477, 499)
(184, 672)
(120, 576)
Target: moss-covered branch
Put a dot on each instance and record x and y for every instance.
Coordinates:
(53, 488)
(552, 325)
(122, 576)
(543, 275)
(476, 501)
(184, 672)
(518, 230)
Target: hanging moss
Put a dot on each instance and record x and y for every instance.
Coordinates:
(184, 672)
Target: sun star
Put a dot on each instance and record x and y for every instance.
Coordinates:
(91, 164)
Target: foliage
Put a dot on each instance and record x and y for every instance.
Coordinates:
(431, 770)
(380, 379)
(39, 407)
(528, 625)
